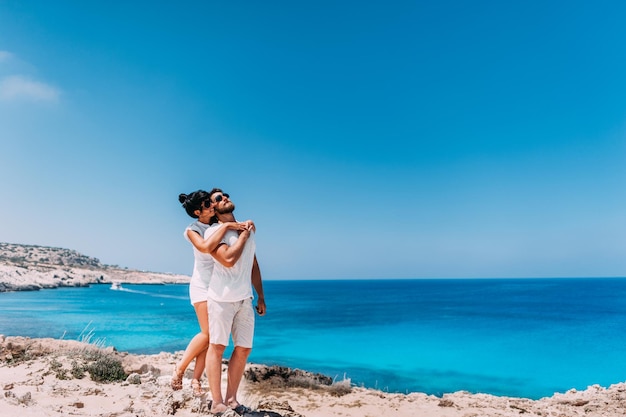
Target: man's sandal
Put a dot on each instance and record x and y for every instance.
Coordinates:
(242, 409)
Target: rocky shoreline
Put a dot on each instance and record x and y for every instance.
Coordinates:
(49, 377)
(31, 268)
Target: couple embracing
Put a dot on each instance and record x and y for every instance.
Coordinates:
(225, 270)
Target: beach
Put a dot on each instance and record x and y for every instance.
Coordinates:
(38, 378)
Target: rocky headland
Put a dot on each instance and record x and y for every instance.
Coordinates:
(30, 267)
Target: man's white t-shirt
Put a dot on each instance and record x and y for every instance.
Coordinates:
(232, 284)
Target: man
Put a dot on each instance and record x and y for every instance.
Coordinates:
(230, 305)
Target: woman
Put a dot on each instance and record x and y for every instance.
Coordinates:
(198, 206)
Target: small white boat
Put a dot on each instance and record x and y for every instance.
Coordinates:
(116, 285)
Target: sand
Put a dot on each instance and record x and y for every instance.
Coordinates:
(37, 380)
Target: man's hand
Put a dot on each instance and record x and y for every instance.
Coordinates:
(260, 307)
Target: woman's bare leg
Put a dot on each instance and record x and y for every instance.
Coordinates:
(198, 345)
(198, 368)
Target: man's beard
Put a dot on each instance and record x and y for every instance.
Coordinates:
(226, 208)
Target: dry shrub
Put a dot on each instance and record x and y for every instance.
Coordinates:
(340, 388)
(105, 367)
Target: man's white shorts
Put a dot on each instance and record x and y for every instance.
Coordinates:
(231, 317)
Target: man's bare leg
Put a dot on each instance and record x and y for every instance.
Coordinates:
(236, 367)
(214, 372)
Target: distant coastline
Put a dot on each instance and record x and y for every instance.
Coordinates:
(32, 268)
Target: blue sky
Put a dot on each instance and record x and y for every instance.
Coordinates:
(372, 139)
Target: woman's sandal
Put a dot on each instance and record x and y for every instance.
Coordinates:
(177, 379)
(196, 388)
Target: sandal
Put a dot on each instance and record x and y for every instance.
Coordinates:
(196, 388)
(242, 409)
(177, 379)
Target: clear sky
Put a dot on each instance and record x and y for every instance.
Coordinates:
(366, 139)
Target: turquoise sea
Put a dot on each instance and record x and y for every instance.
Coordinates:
(515, 337)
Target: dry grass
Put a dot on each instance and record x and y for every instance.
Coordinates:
(102, 365)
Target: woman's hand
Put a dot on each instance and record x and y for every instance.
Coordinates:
(241, 226)
(236, 226)
(249, 225)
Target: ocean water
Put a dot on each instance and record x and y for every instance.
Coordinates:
(516, 337)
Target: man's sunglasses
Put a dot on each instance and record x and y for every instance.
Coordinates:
(220, 197)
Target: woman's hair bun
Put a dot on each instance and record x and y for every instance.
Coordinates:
(192, 202)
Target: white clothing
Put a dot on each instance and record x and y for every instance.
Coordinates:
(236, 317)
(202, 266)
(232, 284)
